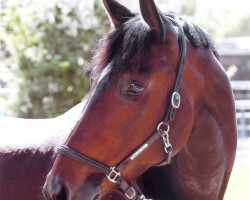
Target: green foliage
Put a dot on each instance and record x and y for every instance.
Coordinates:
(47, 45)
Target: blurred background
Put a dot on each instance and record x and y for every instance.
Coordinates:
(45, 45)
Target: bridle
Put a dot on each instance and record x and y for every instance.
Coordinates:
(132, 191)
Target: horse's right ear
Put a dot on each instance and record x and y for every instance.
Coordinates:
(156, 20)
(118, 14)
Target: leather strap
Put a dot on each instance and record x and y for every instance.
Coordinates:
(71, 153)
(122, 184)
(123, 164)
(170, 113)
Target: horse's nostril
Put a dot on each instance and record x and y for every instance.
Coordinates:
(60, 193)
(97, 197)
(55, 189)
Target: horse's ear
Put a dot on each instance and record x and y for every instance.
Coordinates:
(155, 19)
(118, 14)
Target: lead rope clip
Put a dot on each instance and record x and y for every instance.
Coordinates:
(167, 146)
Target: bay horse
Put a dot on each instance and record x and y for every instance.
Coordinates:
(149, 66)
(159, 121)
(158, 92)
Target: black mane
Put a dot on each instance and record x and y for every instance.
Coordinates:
(195, 34)
(126, 46)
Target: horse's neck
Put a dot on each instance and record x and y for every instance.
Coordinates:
(19, 133)
(210, 90)
(203, 166)
(214, 129)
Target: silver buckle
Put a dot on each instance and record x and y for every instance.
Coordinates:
(133, 195)
(174, 95)
(159, 127)
(112, 177)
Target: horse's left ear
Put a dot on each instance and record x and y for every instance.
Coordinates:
(118, 13)
(155, 19)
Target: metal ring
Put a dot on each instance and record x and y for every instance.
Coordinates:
(132, 195)
(173, 99)
(116, 174)
(159, 127)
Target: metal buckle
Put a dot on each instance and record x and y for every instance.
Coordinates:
(131, 196)
(112, 177)
(159, 127)
(176, 95)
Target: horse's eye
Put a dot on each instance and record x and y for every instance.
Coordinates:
(134, 89)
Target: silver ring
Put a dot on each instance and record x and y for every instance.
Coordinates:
(159, 126)
(172, 100)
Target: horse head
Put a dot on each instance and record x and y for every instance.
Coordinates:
(135, 91)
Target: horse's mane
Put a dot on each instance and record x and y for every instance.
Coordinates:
(195, 34)
(126, 46)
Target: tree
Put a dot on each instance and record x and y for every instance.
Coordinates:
(46, 47)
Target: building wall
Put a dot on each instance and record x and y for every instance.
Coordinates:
(242, 62)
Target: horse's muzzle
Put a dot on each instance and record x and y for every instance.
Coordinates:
(55, 190)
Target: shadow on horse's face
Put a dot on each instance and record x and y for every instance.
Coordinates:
(125, 105)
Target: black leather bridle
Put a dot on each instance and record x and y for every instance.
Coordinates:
(132, 191)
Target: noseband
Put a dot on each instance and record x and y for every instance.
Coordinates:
(114, 173)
